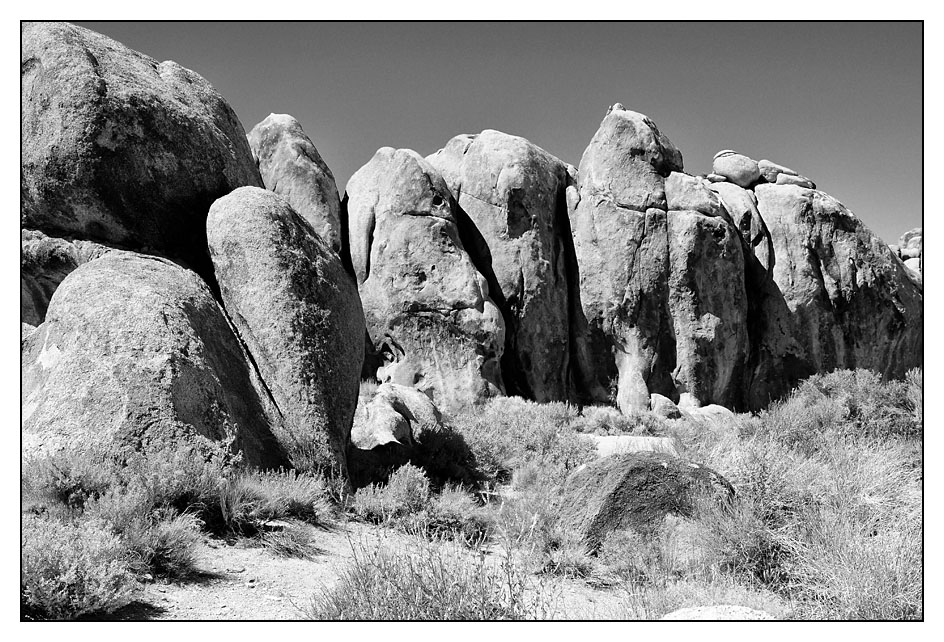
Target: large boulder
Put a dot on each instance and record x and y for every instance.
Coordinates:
(135, 352)
(851, 302)
(427, 307)
(395, 414)
(120, 148)
(517, 232)
(737, 168)
(299, 314)
(44, 262)
(291, 167)
(634, 491)
(662, 290)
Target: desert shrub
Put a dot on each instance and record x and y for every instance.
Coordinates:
(263, 496)
(606, 420)
(509, 432)
(405, 493)
(850, 403)
(841, 569)
(70, 569)
(444, 455)
(291, 539)
(158, 540)
(565, 553)
(433, 581)
(453, 513)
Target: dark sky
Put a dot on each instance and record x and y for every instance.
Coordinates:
(838, 102)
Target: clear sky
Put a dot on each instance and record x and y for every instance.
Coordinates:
(838, 102)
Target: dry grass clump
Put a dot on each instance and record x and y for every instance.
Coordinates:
(153, 503)
(291, 539)
(508, 433)
(429, 581)
(72, 568)
(407, 502)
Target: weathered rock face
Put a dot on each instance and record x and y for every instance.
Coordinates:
(291, 167)
(662, 289)
(394, 414)
(518, 235)
(741, 205)
(298, 312)
(851, 303)
(427, 307)
(634, 491)
(44, 262)
(135, 352)
(120, 148)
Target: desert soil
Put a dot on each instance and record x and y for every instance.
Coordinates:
(241, 580)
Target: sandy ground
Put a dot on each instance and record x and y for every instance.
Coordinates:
(240, 580)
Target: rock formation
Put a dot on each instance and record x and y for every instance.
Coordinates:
(851, 302)
(122, 149)
(517, 232)
(291, 167)
(44, 262)
(427, 307)
(135, 352)
(661, 269)
(634, 491)
(297, 311)
(394, 414)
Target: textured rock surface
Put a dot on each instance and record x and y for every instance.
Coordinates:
(718, 612)
(634, 491)
(663, 406)
(44, 262)
(120, 148)
(663, 291)
(428, 312)
(298, 312)
(851, 302)
(737, 168)
(518, 235)
(801, 181)
(291, 167)
(395, 414)
(770, 170)
(135, 352)
(741, 205)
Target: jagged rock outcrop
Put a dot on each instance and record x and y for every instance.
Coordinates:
(518, 235)
(291, 167)
(851, 302)
(297, 311)
(634, 490)
(911, 244)
(662, 288)
(122, 149)
(44, 262)
(428, 312)
(135, 352)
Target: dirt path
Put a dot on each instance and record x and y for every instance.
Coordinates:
(245, 581)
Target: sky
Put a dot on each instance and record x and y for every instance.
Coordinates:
(840, 103)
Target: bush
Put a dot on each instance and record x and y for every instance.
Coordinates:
(431, 582)
(256, 497)
(508, 432)
(406, 492)
(72, 569)
(606, 420)
(453, 514)
(292, 539)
